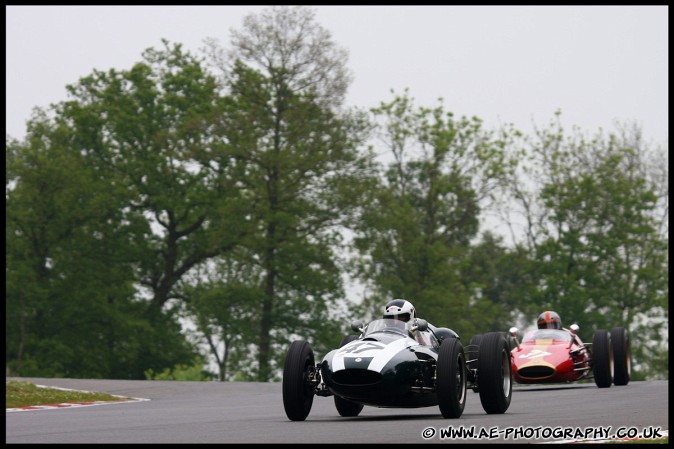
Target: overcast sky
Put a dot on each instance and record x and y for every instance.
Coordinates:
(504, 64)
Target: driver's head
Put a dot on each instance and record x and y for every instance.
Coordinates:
(399, 309)
(549, 320)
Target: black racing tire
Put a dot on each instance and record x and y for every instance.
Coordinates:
(451, 378)
(471, 354)
(622, 363)
(494, 373)
(602, 359)
(298, 394)
(344, 406)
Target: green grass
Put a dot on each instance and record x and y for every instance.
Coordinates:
(21, 394)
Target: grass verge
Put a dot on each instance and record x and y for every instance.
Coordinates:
(22, 394)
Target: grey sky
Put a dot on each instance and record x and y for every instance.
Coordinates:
(504, 64)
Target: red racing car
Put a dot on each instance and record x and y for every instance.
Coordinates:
(559, 355)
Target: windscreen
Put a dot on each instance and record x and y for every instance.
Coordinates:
(547, 334)
(387, 325)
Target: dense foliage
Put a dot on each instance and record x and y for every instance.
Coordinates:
(169, 215)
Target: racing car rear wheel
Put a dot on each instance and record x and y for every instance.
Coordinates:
(298, 394)
(344, 406)
(602, 358)
(621, 356)
(471, 353)
(494, 373)
(451, 378)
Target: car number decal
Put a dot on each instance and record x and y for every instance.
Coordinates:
(361, 346)
(536, 353)
(377, 353)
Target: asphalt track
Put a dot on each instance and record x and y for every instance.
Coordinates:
(247, 412)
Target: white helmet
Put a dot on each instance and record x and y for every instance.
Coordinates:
(399, 309)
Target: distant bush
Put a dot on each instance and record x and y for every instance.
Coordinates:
(194, 372)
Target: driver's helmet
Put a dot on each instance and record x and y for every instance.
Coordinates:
(549, 320)
(399, 309)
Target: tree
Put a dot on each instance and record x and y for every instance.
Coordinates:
(416, 235)
(131, 143)
(297, 156)
(497, 277)
(150, 127)
(600, 257)
(223, 305)
(69, 263)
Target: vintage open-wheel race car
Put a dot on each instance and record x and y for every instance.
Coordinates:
(396, 364)
(559, 355)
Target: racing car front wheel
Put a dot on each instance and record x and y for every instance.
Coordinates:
(602, 358)
(621, 356)
(298, 393)
(451, 378)
(344, 406)
(494, 373)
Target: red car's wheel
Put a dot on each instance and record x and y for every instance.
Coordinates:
(602, 359)
(621, 356)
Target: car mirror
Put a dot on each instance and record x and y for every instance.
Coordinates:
(574, 328)
(513, 334)
(357, 326)
(422, 325)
